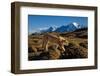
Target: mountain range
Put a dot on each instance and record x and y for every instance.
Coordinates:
(64, 28)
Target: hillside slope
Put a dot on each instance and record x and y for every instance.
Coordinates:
(77, 48)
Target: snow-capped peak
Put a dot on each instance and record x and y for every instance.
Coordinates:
(76, 24)
(64, 28)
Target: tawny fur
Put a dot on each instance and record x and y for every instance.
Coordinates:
(56, 40)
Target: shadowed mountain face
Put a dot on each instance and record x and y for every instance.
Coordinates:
(68, 28)
(64, 28)
(77, 47)
(47, 30)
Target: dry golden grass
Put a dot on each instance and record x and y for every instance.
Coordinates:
(76, 41)
(77, 48)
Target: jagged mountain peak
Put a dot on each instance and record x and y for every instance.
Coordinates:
(77, 25)
(64, 28)
(68, 28)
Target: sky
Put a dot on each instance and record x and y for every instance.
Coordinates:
(39, 22)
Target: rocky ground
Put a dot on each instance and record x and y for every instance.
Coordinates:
(77, 48)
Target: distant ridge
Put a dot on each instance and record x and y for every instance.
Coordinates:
(64, 28)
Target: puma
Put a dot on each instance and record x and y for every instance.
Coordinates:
(55, 40)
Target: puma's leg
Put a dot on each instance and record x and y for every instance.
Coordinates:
(55, 46)
(46, 45)
(43, 42)
(34, 49)
(62, 48)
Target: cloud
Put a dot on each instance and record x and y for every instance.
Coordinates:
(43, 28)
(33, 30)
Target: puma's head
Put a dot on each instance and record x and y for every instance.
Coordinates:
(64, 41)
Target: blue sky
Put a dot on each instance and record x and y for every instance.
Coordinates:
(38, 22)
